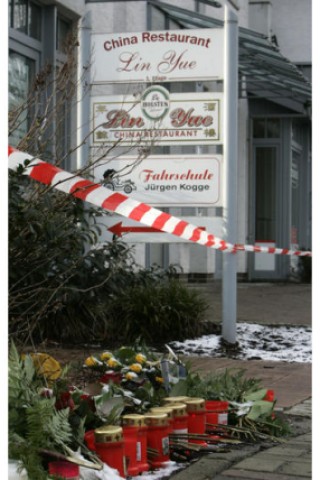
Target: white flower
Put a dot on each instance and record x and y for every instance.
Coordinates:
(242, 408)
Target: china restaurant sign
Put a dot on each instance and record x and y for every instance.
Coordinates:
(167, 179)
(157, 117)
(157, 56)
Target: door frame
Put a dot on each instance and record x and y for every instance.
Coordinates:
(281, 264)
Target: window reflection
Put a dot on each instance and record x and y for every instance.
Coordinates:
(63, 29)
(20, 16)
(25, 16)
(21, 72)
(34, 21)
(273, 128)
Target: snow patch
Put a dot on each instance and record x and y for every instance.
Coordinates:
(285, 344)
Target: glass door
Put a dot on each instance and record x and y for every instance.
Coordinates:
(266, 194)
(266, 210)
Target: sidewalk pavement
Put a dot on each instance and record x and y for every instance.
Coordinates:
(285, 461)
(291, 382)
(264, 304)
(291, 460)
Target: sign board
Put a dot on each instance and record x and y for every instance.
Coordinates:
(158, 118)
(166, 180)
(157, 56)
(136, 232)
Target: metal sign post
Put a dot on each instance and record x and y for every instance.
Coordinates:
(83, 93)
(229, 278)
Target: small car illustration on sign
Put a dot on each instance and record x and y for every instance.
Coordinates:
(114, 182)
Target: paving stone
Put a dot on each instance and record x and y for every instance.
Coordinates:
(299, 425)
(268, 457)
(258, 463)
(203, 469)
(306, 456)
(303, 409)
(236, 455)
(306, 437)
(289, 450)
(296, 468)
(234, 474)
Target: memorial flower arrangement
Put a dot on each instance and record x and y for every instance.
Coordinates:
(134, 373)
(49, 416)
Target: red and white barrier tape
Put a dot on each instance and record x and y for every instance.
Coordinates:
(128, 207)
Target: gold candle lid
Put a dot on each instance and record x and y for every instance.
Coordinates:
(156, 419)
(178, 409)
(166, 409)
(195, 404)
(175, 399)
(108, 433)
(133, 420)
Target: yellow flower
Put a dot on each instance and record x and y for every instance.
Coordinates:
(159, 379)
(140, 358)
(112, 362)
(91, 362)
(46, 365)
(105, 355)
(136, 367)
(131, 375)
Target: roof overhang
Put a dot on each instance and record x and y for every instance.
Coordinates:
(263, 71)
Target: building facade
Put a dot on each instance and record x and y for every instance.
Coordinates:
(38, 34)
(274, 114)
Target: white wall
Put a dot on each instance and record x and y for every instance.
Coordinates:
(260, 16)
(118, 17)
(77, 6)
(291, 23)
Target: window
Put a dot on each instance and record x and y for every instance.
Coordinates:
(26, 17)
(297, 132)
(63, 29)
(33, 53)
(19, 15)
(21, 74)
(273, 128)
(34, 21)
(266, 128)
(259, 128)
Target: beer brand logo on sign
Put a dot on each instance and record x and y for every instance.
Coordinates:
(155, 102)
(158, 117)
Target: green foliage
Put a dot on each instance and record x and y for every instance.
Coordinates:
(252, 417)
(260, 408)
(34, 423)
(156, 312)
(49, 266)
(231, 385)
(62, 287)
